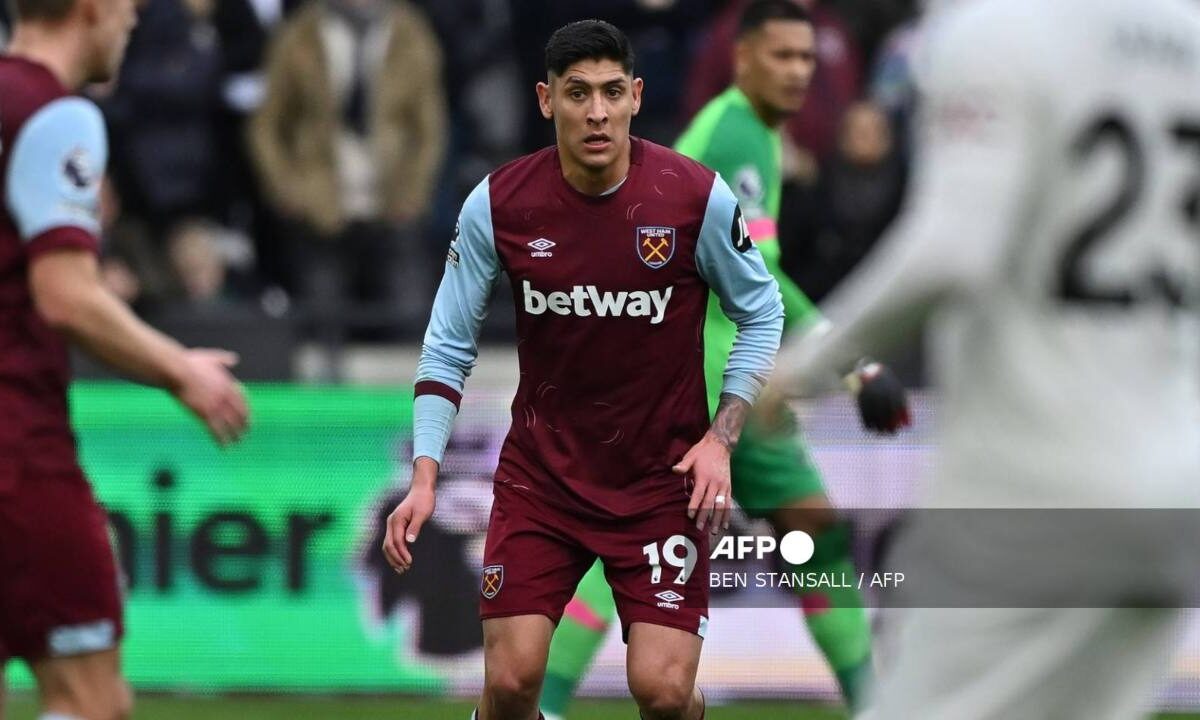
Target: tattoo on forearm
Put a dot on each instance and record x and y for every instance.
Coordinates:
(727, 423)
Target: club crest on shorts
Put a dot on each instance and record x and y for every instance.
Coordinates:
(655, 245)
(493, 578)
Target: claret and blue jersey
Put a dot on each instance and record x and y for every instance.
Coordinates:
(611, 294)
(60, 592)
(53, 150)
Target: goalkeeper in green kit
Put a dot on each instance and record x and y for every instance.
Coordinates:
(737, 135)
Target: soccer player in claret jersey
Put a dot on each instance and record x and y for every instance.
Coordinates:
(60, 607)
(612, 245)
(737, 134)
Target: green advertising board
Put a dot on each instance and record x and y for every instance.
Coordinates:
(244, 564)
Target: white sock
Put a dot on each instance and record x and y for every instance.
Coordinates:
(57, 716)
(552, 716)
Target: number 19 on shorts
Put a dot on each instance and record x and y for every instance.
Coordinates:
(670, 554)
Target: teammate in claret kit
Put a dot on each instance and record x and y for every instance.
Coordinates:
(60, 608)
(613, 245)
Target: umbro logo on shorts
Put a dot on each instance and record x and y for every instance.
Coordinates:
(493, 579)
(670, 599)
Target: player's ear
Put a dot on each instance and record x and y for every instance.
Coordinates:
(741, 58)
(543, 93)
(637, 94)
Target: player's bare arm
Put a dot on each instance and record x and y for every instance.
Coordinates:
(708, 464)
(69, 295)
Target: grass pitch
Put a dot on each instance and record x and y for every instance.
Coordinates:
(199, 707)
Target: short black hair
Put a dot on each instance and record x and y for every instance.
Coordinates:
(588, 40)
(50, 10)
(761, 12)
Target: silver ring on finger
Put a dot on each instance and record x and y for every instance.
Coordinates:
(720, 499)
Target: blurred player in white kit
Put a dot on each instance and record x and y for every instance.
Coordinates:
(1052, 241)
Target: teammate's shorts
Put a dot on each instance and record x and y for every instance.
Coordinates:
(59, 587)
(536, 555)
(772, 470)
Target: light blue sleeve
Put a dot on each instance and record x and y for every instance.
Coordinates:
(733, 267)
(55, 167)
(450, 347)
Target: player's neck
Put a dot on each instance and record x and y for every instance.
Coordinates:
(595, 182)
(50, 47)
(769, 116)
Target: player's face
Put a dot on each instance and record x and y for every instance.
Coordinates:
(775, 65)
(592, 105)
(111, 26)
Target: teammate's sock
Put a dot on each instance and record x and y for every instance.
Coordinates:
(577, 639)
(57, 716)
(836, 616)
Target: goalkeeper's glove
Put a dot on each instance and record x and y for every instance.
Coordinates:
(882, 401)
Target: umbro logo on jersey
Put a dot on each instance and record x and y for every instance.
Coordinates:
(670, 599)
(587, 300)
(541, 248)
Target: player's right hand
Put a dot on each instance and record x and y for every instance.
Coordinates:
(207, 388)
(405, 523)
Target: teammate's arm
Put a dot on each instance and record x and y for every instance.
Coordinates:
(70, 297)
(52, 195)
(974, 181)
(447, 357)
(731, 265)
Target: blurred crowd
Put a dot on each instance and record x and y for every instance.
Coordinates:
(306, 159)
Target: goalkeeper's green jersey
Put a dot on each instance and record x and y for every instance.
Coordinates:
(729, 137)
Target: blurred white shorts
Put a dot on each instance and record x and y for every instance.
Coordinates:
(1027, 663)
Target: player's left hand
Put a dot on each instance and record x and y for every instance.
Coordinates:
(882, 400)
(712, 496)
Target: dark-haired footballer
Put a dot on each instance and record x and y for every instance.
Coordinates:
(774, 477)
(612, 245)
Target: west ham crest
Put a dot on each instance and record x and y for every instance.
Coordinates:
(655, 245)
(493, 578)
